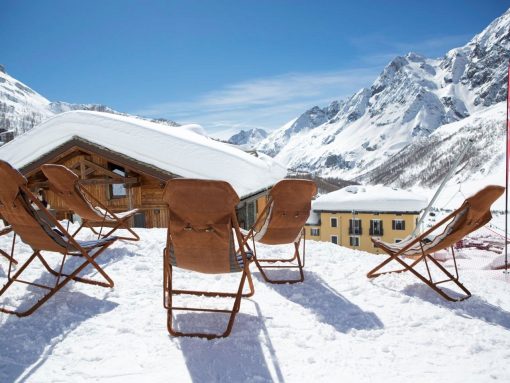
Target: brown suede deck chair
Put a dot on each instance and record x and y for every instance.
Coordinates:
(65, 184)
(282, 222)
(473, 214)
(35, 225)
(200, 237)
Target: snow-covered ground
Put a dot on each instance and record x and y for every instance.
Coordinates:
(336, 326)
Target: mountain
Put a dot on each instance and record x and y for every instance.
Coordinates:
(21, 108)
(248, 138)
(363, 137)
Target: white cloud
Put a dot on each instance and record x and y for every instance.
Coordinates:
(264, 103)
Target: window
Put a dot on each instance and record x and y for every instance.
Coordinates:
(117, 190)
(376, 227)
(315, 232)
(354, 241)
(398, 224)
(355, 226)
(398, 240)
(334, 222)
(334, 239)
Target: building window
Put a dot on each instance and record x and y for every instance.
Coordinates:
(398, 224)
(354, 241)
(117, 190)
(376, 227)
(398, 240)
(334, 239)
(355, 226)
(334, 222)
(315, 232)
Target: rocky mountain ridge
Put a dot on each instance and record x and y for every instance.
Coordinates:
(406, 104)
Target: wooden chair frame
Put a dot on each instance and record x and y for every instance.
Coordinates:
(61, 278)
(169, 291)
(297, 261)
(10, 258)
(426, 257)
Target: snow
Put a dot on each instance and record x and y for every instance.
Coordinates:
(336, 326)
(179, 150)
(370, 198)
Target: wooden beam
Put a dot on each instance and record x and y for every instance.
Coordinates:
(108, 181)
(102, 170)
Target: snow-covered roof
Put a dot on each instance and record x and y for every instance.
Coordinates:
(178, 150)
(370, 198)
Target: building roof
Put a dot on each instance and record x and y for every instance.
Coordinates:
(370, 199)
(176, 150)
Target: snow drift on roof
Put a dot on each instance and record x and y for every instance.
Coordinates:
(370, 198)
(178, 150)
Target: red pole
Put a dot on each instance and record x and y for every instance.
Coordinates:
(507, 160)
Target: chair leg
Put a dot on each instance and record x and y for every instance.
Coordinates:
(11, 259)
(428, 281)
(90, 260)
(170, 292)
(123, 224)
(297, 257)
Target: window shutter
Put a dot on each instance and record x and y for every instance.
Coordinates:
(360, 231)
(381, 227)
(403, 225)
(371, 231)
(350, 226)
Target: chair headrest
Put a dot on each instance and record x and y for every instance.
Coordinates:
(61, 178)
(12, 180)
(197, 199)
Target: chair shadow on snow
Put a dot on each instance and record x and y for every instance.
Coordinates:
(237, 358)
(473, 307)
(329, 306)
(27, 342)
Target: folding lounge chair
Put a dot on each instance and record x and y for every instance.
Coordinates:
(42, 232)
(201, 229)
(281, 222)
(473, 214)
(65, 184)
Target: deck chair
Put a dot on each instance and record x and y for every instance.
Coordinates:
(35, 225)
(200, 237)
(473, 214)
(282, 222)
(65, 184)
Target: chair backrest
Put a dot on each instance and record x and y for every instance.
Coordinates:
(474, 213)
(470, 216)
(201, 219)
(64, 183)
(16, 207)
(289, 207)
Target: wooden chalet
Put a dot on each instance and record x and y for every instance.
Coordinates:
(123, 181)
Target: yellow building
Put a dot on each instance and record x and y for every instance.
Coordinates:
(351, 216)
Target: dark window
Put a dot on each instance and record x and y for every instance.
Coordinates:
(376, 227)
(334, 239)
(398, 224)
(139, 220)
(354, 241)
(355, 226)
(315, 232)
(398, 240)
(334, 222)
(117, 190)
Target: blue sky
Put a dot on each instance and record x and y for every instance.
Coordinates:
(227, 65)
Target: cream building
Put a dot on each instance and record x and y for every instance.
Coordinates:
(351, 216)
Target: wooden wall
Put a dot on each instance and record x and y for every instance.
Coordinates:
(146, 194)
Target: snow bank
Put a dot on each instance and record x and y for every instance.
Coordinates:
(178, 150)
(337, 326)
(370, 198)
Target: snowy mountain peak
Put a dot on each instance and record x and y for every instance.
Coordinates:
(248, 138)
(411, 98)
(22, 108)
